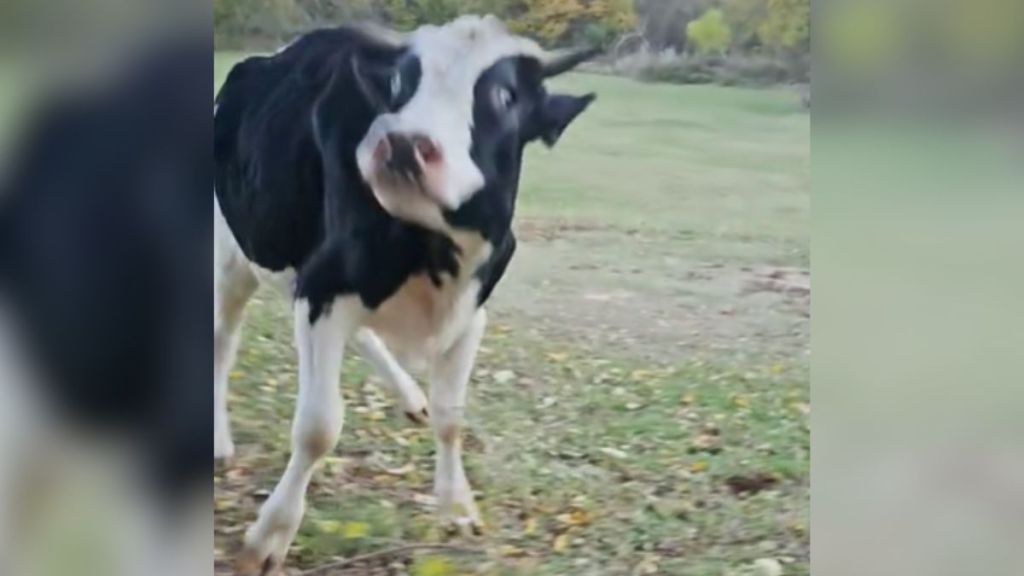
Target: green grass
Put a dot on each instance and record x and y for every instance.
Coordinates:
(589, 419)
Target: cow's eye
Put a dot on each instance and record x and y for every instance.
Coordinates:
(396, 85)
(504, 98)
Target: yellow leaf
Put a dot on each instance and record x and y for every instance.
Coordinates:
(576, 517)
(353, 530)
(509, 551)
(531, 526)
(641, 375)
(236, 374)
(699, 466)
(432, 566)
(558, 356)
(560, 543)
(688, 399)
(740, 400)
(328, 526)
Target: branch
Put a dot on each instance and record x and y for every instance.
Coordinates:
(319, 570)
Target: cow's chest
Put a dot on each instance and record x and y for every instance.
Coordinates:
(421, 320)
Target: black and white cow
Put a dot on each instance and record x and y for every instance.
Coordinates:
(376, 180)
(105, 290)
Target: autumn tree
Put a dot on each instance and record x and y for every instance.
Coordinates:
(744, 17)
(709, 33)
(787, 25)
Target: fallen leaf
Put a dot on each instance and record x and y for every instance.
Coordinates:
(767, 567)
(328, 526)
(432, 566)
(576, 517)
(706, 443)
(557, 356)
(510, 551)
(353, 530)
(504, 376)
(751, 484)
(401, 470)
(614, 453)
(561, 543)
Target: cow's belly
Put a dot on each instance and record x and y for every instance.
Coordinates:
(422, 321)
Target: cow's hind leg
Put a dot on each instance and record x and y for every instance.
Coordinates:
(411, 399)
(234, 285)
(448, 386)
(319, 414)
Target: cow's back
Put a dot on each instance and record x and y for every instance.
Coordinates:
(269, 181)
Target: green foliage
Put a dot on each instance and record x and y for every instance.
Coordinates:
(710, 33)
(744, 17)
(779, 28)
(787, 25)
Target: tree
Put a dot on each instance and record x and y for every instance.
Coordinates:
(710, 33)
(549, 21)
(787, 26)
(744, 18)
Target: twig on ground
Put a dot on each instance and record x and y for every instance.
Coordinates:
(388, 552)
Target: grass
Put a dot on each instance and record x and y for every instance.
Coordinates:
(628, 383)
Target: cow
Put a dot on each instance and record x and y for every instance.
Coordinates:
(373, 177)
(105, 300)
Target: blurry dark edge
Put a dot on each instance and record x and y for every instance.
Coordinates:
(106, 253)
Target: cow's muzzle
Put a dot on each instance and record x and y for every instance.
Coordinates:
(407, 156)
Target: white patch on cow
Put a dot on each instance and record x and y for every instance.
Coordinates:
(449, 381)
(319, 415)
(452, 58)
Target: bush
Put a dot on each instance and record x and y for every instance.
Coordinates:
(731, 70)
(710, 33)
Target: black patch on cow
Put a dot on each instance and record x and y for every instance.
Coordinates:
(105, 260)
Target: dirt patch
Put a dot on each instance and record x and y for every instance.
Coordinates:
(640, 296)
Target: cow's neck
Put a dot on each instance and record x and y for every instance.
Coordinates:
(475, 249)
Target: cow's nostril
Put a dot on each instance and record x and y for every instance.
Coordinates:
(382, 152)
(401, 157)
(427, 149)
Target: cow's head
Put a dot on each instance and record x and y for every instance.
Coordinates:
(455, 109)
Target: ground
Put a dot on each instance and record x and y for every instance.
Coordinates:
(641, 401)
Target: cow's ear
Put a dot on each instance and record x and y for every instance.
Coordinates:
(558, 112)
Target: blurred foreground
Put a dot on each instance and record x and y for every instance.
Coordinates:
(105, 304)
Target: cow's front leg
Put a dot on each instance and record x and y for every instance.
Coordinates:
(411, 400)
(319, 413)
(448, 384)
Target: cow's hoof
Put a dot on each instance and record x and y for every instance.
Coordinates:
(464, 526)
(252, 563)
(413, 404)
(461, 518)
(420, 418)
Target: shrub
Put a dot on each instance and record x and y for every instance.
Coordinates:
(710, 33)
(733, 69)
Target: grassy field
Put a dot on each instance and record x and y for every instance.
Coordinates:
(640, 405)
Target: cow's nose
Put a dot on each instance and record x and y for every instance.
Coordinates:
(407, 154)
